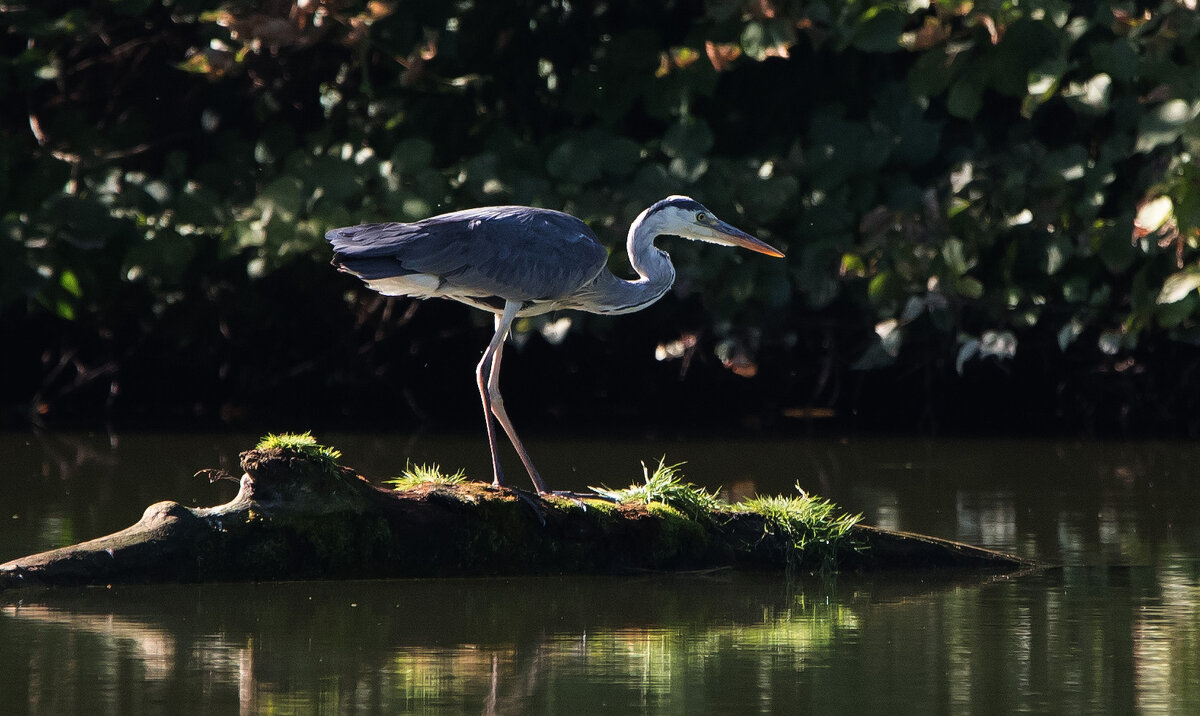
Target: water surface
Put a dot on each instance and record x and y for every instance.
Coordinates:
(1113, 627)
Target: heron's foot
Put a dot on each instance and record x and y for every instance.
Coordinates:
(597, 496)
(534, 504)
(576, 497)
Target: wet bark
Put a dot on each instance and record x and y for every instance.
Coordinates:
(296, 517)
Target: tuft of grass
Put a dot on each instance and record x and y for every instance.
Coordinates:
(414, 475)
(665, 486)
(305, 444)
(810, 526)
(301, 442)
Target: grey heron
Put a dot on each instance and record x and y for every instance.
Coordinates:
(516, 261)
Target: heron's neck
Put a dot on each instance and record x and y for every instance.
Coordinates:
(610, 294)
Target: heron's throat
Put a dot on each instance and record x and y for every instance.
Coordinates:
(613, 295)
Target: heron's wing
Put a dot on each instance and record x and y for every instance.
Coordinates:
(512, 252)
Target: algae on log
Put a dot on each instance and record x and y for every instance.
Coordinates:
(299, 517)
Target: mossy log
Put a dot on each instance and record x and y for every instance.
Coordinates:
(296, 517)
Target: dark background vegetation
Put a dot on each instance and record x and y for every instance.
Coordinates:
(990, 210)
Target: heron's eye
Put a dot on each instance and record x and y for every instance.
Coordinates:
(702, 218)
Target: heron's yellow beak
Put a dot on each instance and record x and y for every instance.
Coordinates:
(736, 237)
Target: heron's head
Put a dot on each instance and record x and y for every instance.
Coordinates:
(686, 217)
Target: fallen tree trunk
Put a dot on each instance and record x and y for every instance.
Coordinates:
(296, 517)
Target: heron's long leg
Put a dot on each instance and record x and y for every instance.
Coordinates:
(488, 364)
(487, 376)
(502, 416)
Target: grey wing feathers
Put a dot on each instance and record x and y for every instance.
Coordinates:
(516, 253)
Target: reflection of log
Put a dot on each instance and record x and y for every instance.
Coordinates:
(297, 517)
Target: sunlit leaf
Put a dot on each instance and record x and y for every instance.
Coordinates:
(953, 255)
(1165, 123)
(1070, 331)
(853, 265)
(878, 285)
(70, 283)
(1153, 214)
(1001, 344)
(64, 310)
(914, 307)
(1092, 95)
(969, 286)
(1179, 285)
(1110, 342)
(968, 350)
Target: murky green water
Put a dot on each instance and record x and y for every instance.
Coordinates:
(1113, 628)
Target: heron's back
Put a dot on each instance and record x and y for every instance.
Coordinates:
(479, 256)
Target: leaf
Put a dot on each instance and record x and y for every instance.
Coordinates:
(953, 255)
(412, 155)
(930, 73)
(879, 30)
(575, 160)
(968, 350)
(878, 286)
(1116, 251)
(1118, 59)
(821, 290)
(1178, 286)
(853, 265)
(1001, 344)
(1092, 96)
(64, 310)
(913, 308)
(876, 356)
(1069, 332)
(70, 283)
(767, 197)
(965, 98)
(1171, 315)
(1110, 342)
(1153, 214)
(690, 138)
(1165, 123)
(1076, 289)
(282, 199)
(891, 335)
(767, 38)
(969, 286)
(1057, 253)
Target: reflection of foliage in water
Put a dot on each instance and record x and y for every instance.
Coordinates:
(1046, 643)
(649, 664)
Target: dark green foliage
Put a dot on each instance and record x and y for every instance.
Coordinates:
(952, 181)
